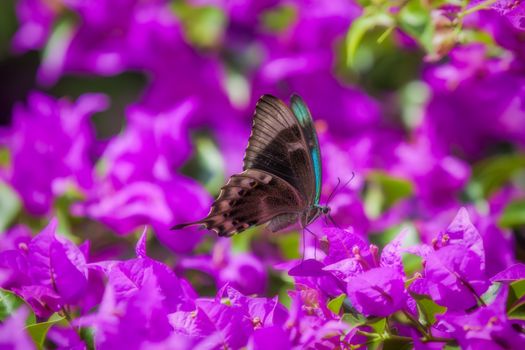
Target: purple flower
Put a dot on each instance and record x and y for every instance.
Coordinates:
(140, 295)
(243, 271)
(269, 337)
(65, 338)
(15, 237)
(263, 312)
(228, 320)
(131, 320)
(513, 10)
(454, 270)
(13, 334)
(497, 243)
(36, 19)
(107, 44)
(310, 323)
(373, 283)
(504, 33)
(141, 186)
(476, 104)
(513, 273)
(128, 277)
(379, 291)
(486, 328)
(350, 255)
(438, 178)
(49, 272)
(54, 135)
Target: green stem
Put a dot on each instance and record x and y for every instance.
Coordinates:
(438, 340)
(482, 6)
(374, 337)
(67, 315)
(418, 325)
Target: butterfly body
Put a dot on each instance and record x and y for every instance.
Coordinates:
(281, 181)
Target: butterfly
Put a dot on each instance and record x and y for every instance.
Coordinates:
(281, 180)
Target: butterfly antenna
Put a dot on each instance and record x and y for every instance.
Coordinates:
(351, 178)
(336, 188)
(333, 191)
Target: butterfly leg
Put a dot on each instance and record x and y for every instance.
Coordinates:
(316, 238)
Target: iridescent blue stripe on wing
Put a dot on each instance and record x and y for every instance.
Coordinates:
(316, 160)
(301, 113)
(304, 117)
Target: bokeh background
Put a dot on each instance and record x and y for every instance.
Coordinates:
(116, 114)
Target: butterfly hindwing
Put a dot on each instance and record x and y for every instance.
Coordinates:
(250, 198)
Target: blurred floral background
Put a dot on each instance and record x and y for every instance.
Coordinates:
(121, 118)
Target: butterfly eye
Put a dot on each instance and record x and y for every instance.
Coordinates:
(241, 192)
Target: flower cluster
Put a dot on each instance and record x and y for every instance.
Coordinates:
(352, 296)
(137, 112)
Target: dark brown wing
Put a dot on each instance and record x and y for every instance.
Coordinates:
(277, 145)
(250, 198)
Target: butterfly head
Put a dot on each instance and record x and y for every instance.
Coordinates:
(312, 213)
(325, 210)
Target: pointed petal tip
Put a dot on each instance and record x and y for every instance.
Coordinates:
(140, 248)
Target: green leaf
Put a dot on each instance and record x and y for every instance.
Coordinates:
(516, 292)
(359, 28)
(428, 309)
(289, 245)
(206, 165)
(88, 336)
(384, 191)
(335, 304)
(397, 344)
(491, 293)
(378, 325)
(9, 303)
(492, 173)
(8, 26)
(412, 263)
(279, 18)
(415, 20)
(59, 40)
(451, 347)
(354, 320)
(9, 205)
(513, 215)
(518, 312)
(242, 243)
(38, 331)
(203, 25)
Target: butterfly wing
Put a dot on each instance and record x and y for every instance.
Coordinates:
(282, 172)
(304, 118)
(281, 143)
(252, 198)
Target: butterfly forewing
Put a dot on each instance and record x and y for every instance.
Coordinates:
(304, 117)
(278, 145)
